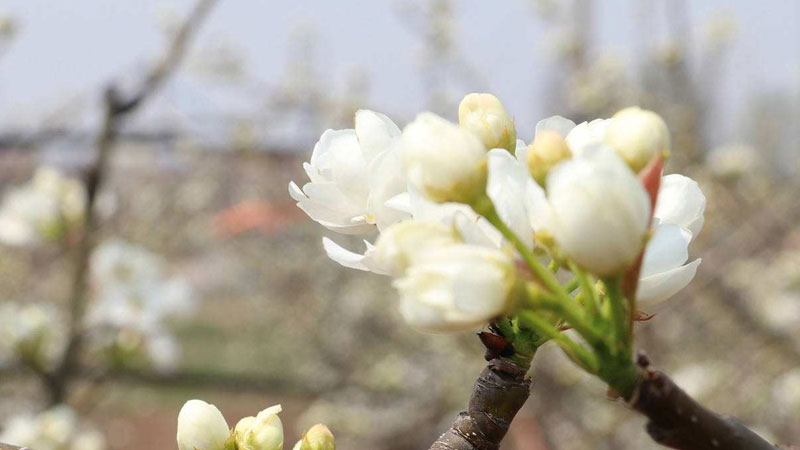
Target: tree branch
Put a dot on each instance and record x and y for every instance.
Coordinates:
(117, 108)
(676, 420)
(498, 395)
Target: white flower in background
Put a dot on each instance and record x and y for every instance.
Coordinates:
(599, 212)
(54, 429)
(456, 288)
(637, 135)
(33, 333)
(484, 115)
(352, 174)
(133, 300)
(262, 432)
(318, 437)
(401, 244)
(733, 161)
(44, 208)
(444, 161)
(202, 427)
(677, 219)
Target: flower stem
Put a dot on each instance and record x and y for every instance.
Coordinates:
(620, 316)
(578, 353)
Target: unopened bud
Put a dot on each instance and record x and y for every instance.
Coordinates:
(202, 427)
(484, 115)
(547, 149)
(637, 135)
(318, 437)
(263, 432)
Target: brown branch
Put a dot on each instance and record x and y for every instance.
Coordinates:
(117, 108)
(498, 395)
(676, 420)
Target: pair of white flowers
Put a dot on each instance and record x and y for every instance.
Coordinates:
(577, 183)
(201, 426)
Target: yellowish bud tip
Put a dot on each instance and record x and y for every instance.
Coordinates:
(637, 135)
(486, 117)
(547, 149)
(318, 437)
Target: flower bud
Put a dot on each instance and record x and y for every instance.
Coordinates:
(600, 213)
(444, 161)
(318, 437)
(262, 432)
(201, 427)
(456, 288)
(637, 135)
(401, 244)
(547, 149)
(484, 115)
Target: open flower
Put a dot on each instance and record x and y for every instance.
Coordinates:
(202, 427)
(678, 218)
(456, 288)
(403, 243)
(444, 161)
(342, 195)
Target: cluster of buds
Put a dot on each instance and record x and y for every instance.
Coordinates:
(451, 202)
(201, 426)
(32, 333)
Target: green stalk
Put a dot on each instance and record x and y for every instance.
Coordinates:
(620, 315)
(569, 310)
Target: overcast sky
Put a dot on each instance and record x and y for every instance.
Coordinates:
(65, 49)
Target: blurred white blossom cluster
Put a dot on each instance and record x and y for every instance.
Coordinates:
(58, 428)
(133, 299)
(33, 333)
(425, 190)
(47, 207)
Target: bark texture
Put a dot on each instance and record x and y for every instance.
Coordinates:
(677, 421)
(498, 395)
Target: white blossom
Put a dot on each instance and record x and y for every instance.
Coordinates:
(44, 208)
(33, 333)
(262, 432)
(201, 427)
(599, 213)
(352, 174)
(485, 115)
(444, 161)
(402, 244)
(637, 135)
(55, 429)
(456, 288)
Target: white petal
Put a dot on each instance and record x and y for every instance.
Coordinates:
(375, 132)
(343, 256)
(506, 188)
(680, 201)
(537, 206)
(659, 287)
(295, 192)
(558, 124)
(666, 250)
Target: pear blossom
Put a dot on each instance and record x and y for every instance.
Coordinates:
(202, 427)
(456, 288)
(44, 208)
(32, 332)
(262, 432)
(55, 429)
(677, 219)
(401, 245)
(637, 135)
(484, 115)
(318, 437)
(444, 161)
(352, 174)
(599, 213)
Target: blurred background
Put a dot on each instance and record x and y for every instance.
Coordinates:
(207, 282)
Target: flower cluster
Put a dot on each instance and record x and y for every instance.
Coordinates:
(33, 333)
(201, 426)
(45, 208)
(451, 202)
(55, 429)
(133, 299)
